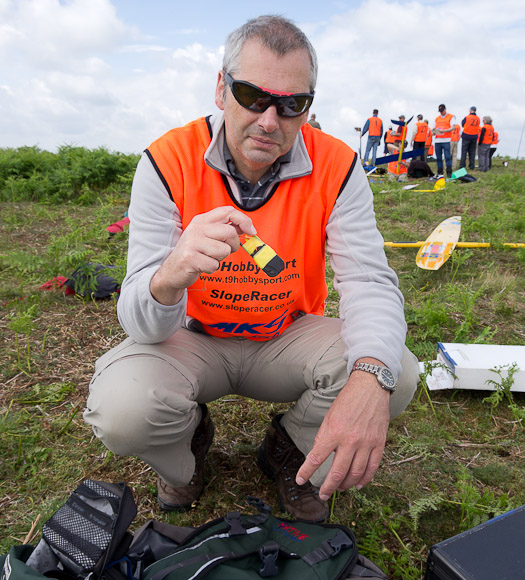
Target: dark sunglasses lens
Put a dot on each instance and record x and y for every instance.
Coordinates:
(250, 97)
(258, 100)
(293, 106)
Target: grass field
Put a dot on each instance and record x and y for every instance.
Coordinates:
(453, 459)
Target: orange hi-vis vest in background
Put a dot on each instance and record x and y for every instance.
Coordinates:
(472, 125)
(444, 123)
(374, 126)
(390, 137)
(421, 131)
(455, 133)
(428, 142)
(495, 139)
(397, 168)
(488, 136)
(239, 299)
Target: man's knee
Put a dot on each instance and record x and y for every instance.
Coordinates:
(131, 404)
(406, 384)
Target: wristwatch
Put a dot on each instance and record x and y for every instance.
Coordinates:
(384, 375)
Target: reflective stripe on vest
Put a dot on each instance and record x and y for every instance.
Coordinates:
(421, 131)
(444, 123)
(472, 125)
(239, 300)
(374, 126)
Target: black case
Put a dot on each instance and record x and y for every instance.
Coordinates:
(494, 550)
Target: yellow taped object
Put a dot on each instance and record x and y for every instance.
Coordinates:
(440, 244)
(263, 255)
(440, 183)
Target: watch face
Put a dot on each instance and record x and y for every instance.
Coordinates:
(387, 379)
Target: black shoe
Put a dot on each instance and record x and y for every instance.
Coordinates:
(280, 460)
(182, 498)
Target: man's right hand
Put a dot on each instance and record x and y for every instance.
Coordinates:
(207, 240)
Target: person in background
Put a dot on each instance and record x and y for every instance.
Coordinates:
(429, 147)
(442, 134)
(374, 126)
(398, 133)
(419, 136)
(454, 145)
(469, 139)
(390, 139)
(398, 170)
(313, 122)
(493, 147)
(486, 137)
(203, 323)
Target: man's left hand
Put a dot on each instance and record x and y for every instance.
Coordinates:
(355, 429)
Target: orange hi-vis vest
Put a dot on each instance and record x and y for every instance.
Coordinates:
(455, 133)
(397, 168)
(421, 131)
(374, 126)
(428, 142)
(488, 136)
(444, 123)
(472, 125)
(239, 299)
(390, 136)
(495, 140)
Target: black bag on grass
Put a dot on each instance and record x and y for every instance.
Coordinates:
(93, 280)
(87, 539)
(81, 539)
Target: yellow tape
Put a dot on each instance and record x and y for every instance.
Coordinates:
(262, 255)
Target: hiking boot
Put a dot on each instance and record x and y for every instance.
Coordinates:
(280, 460)
(182, 498)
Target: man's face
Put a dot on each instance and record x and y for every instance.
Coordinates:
(256, 140)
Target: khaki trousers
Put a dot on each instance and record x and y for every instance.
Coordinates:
(144, 399)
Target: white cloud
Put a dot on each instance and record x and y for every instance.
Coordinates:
(51, 33)
(73, 71)
(407, 57)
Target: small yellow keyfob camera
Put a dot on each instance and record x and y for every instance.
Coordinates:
(264, 256)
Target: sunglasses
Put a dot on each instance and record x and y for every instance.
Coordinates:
(257, 99)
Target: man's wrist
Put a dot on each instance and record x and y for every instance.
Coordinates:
(384, 376)
(164, 294)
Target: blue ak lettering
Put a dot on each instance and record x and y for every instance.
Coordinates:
(253, 329)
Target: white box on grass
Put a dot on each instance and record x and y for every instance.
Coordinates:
(473, 365)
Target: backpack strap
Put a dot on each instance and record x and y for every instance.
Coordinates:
(233, 519)
(264, 510)
(269, 554)
(329, 548)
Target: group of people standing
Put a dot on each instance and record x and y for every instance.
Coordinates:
(441, 140)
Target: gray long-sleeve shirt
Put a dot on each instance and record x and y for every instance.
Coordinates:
(371, 305)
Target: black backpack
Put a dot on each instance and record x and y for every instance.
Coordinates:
(419, 168)
(89, 540)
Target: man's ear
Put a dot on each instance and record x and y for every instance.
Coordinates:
(219, 91)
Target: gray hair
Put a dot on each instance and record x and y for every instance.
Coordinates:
(277, 33)
(487, 119)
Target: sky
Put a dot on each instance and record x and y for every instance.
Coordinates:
(120, 73)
